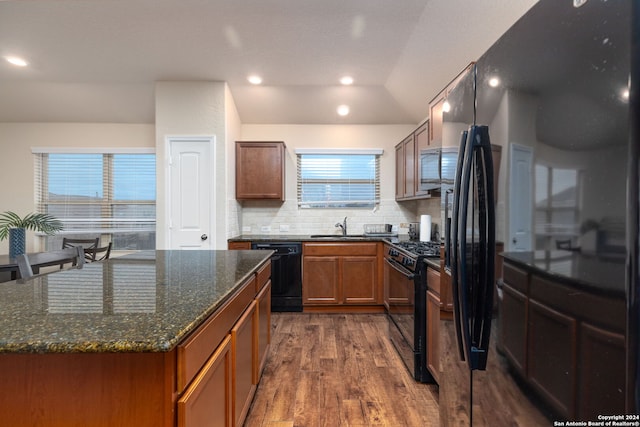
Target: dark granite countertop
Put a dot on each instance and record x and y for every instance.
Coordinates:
(431, 262)
(307, 238)
(143, 302)
(603, 274)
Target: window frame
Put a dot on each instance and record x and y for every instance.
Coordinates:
(108, 226)
(339, 204)
(546, 212)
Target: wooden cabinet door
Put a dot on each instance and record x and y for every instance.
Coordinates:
(435, 120)
(551, 356)
(421, 136)
(244, 363)
(513, 327)
(433, 334)
(360, 280)
(399, 171)
(320, 280)
(597, 393)
(409, 166)
(263, 335)
(207, 402)
(260, 170)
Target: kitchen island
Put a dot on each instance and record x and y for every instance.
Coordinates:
(157, 338)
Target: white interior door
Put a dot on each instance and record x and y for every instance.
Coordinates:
(191, 192)
(520, 198)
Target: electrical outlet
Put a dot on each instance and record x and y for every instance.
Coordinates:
(246, 229)
(284, 228)
(265, 229)
(404, 225)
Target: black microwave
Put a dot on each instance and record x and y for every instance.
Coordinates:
(437, 166)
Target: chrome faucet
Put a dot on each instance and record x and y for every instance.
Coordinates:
(343, 226)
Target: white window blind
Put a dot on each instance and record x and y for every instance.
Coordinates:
(100, 193)
(338, 180)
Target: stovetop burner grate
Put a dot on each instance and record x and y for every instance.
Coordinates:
(429, 249)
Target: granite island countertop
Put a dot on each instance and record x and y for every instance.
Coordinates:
(143, 302)
(600, 273)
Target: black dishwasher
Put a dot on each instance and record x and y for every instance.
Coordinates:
(286, 274)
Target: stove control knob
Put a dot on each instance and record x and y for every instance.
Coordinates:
(393, 252)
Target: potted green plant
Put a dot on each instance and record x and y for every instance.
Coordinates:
(14, 227)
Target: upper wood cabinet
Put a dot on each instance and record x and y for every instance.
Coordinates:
(437, 108)
(422, 142)
(399, 171)
(407, 164)
(260, 170)
(435, 119)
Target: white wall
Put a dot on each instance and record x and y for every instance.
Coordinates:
(234, 131)
(16, 167)
(191, 109)
(256, 214)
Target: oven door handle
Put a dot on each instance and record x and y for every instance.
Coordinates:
(398, 267)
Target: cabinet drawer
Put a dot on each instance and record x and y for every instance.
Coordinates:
(339, 249)
(263, 275)
(238, 245)
(196, 349)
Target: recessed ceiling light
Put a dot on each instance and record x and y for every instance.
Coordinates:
(494, 82)
(346, 80)
(254, 80)
(19, 62)
(343, 110)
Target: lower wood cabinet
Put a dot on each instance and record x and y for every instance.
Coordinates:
(340, 274)
(244, 363)
(221, 392)
(360, 280)
(433, 334)
(207, 402)
(263, 334)
(321, 280)
(513, 331)
(561, 339)
(551, 355)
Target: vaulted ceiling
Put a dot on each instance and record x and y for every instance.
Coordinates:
(98, 60)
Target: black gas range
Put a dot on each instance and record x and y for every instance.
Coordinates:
(416, 248)
(405, 278)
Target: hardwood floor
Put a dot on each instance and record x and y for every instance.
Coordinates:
(338, 370)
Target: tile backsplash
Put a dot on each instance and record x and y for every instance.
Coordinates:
(266, 217)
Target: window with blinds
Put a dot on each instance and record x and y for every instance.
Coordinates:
(108, 194)
(336, 179)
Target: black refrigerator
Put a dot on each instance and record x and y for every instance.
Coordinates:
(546, 332)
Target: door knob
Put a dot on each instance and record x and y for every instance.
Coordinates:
(514, 240)
(204, 237)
